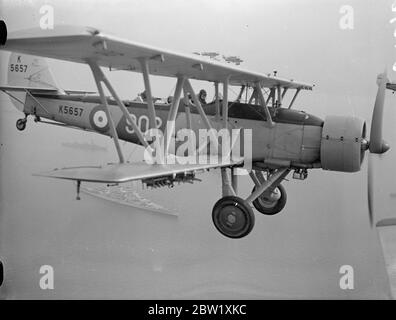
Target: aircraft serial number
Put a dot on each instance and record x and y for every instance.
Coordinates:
(18, 67)
(73, 111)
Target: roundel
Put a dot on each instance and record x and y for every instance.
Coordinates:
(98, 119)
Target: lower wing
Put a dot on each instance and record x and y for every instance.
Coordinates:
(179, 168)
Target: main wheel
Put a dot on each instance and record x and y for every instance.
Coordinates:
(21, 124)
(272, 204)
(233, 217)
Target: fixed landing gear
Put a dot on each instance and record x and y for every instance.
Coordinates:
(21, 123)
(233, 217)
(273, 203)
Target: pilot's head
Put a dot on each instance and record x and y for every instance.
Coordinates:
(202, 94)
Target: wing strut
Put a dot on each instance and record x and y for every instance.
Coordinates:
(121, 106)
(284, 92)
(170, 126)
(270, 96)
(254, 97)
(264, 105)
(217, 101)
(225, 102)
(150, 103)
(198, 105)
(100, 77)
(294, 97)
(187, 109)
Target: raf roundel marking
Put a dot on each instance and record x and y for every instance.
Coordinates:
(98, 119)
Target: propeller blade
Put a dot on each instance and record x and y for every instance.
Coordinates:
(3, 33)
(370, 198)
(377, 145)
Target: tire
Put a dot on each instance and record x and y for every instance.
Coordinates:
(268, 208)
(21, 124)
(233, 217)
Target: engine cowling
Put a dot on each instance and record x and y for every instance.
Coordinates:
(341, 143)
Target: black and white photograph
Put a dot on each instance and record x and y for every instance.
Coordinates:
(201, 150)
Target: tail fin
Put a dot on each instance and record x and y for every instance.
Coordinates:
(29, 71)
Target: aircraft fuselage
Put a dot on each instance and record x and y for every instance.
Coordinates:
(295, 138)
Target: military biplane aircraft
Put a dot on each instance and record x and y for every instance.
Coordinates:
(283, 139)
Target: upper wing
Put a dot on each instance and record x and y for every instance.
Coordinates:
(124, 172)
(78, 44)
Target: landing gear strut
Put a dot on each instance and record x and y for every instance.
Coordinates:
(233, 217)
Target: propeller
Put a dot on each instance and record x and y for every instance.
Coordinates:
(376, 145)
(3, 33)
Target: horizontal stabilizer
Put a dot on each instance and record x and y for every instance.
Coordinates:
(30, 89)
(124, 172)
(35, 90)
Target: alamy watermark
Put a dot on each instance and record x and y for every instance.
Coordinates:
(347, 20)
(47, 279)
(209, 147)
(347, 281)
(47, 17)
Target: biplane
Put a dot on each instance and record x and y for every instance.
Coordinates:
(283, 139)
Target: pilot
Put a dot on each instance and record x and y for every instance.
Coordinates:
(142, 97)
(202, 96)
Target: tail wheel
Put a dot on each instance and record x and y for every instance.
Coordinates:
(272, 204)
(21, 124)
(233, 217)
